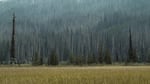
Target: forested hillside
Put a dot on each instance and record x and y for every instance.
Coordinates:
(76, 31)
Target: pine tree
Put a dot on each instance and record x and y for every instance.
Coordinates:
(117, 57)
(148, 56)
(148, 59)
(37, 60)
(41, 61)
(53, 59)
(71, 59)
(92, 59)
(100, 55)
(78, 60)
(135, 59)
(107, 58)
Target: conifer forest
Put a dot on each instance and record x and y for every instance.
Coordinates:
(74, 31)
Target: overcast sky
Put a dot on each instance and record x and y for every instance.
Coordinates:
(3, 0)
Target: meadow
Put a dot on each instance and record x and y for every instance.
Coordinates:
(75, 75)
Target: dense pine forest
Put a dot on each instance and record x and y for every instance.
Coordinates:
(74, 32)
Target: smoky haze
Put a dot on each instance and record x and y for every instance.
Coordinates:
(78, 27)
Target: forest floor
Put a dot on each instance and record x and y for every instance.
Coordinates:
(75, 75)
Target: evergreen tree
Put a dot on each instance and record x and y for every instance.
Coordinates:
(100, 55)
(148, 56)
(135, 59)
(66, 54)
(117, 57)
(148, 59)
(41, 60)
(37, 60)
(79, 60)
(107, 58)
(71, 59)
(92, 59)
(53, 59)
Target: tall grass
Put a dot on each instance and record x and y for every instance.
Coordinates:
(75, 75)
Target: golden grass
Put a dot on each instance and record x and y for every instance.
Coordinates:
(75, 75)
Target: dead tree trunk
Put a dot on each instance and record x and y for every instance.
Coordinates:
(12, 51)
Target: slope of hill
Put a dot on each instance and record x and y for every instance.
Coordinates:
(72, 13)
(41, 24)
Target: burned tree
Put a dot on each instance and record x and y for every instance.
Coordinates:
(12, 50)
(131, 51)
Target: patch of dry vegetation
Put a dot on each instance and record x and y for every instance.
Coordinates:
(75, 75)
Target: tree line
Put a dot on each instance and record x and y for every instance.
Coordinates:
(77, 49)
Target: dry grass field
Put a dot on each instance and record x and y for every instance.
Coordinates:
(75, 75)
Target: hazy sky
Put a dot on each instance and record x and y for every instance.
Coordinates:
(7, 0)
(3, 0)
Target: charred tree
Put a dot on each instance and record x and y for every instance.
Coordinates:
(131, 51)
(12, 51)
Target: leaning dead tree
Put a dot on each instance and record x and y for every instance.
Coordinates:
(12, 51)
